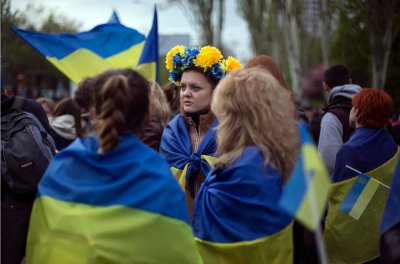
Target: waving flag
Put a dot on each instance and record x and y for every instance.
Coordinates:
(306, 192)
(105, 47)
(148, 62)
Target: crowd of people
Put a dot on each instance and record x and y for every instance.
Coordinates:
(192, 172)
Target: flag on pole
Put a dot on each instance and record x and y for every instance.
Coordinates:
(105, 47)
(114, 18)
(359, 196)
(148, 62)
(305, 194)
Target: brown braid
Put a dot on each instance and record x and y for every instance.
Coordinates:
(111, 123)
(122, 105)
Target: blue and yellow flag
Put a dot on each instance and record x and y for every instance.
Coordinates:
(306, 192)
(105, 47)
(359, 196)
(391, 215)
(121, 207)
(237, 218)
(176, 148)
(148, 62)
(350, 239)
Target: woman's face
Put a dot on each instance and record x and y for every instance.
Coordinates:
(196, 92)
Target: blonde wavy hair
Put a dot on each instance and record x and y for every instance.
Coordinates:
(253, 109)
(159, 105)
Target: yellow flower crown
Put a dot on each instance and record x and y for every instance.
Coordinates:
(209, 58)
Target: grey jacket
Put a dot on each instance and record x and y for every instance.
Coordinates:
(331, 134)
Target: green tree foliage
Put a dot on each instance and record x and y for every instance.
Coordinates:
(352, 47)
(18, 58)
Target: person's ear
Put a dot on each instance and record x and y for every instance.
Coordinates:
(326, 87)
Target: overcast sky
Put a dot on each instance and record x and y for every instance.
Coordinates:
(138, 14)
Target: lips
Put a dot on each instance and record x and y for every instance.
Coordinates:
(187, 103)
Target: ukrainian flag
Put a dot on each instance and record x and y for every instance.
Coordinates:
(121, 207)
(237, 218)
(176, 148)
(105, 47)
(352, 234)
(359, 196)
(390, 239)
(306, 192)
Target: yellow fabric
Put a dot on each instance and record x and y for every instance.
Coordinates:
(148, 70)
(365, 197)
(180, 175)
(84, 63)
(65, 232)
(348, 240)
(277, 248)
(313, 205)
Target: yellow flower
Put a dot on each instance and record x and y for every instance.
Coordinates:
(207, 57)
(232, 64)
(170, 55)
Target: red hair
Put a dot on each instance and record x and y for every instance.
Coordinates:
(374, 107)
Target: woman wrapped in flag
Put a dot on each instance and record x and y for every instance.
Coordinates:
(110, 198)
(236, 216)
(363, 173)
(188, 141)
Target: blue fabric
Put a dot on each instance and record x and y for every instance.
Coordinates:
(354, 193)
(176, 148)
(391, 215)
(296, 187)
(150, 49)
(240, 203)
(131, 175)
(367, 149)
(114, 18)
(118, 38)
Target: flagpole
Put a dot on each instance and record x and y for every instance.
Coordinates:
(318, 232)
(359, 172)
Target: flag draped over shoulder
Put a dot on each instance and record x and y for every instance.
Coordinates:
(176, 148)
(390, 227)
(306, 192)
(236, 215)
(351, 239)
(121, 207)
(105, 47)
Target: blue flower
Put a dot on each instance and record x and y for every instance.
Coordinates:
(175, 75)
(190, 55)
(216, 71)
(177, 60)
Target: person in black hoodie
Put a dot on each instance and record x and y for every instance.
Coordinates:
(16, 210)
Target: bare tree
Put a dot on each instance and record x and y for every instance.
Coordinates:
(255, 13)
(383, 20)
(202, 14)
(289, 11)
(325, 31)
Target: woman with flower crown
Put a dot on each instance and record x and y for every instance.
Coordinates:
(188, 141)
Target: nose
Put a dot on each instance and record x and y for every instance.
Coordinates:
(186, 93)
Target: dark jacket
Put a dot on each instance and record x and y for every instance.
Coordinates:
(16, 210)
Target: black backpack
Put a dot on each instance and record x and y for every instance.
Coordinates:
(26, 149)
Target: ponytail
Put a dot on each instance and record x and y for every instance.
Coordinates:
(122, 105)
(111, 122)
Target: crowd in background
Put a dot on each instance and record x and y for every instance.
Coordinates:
(193, 171)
